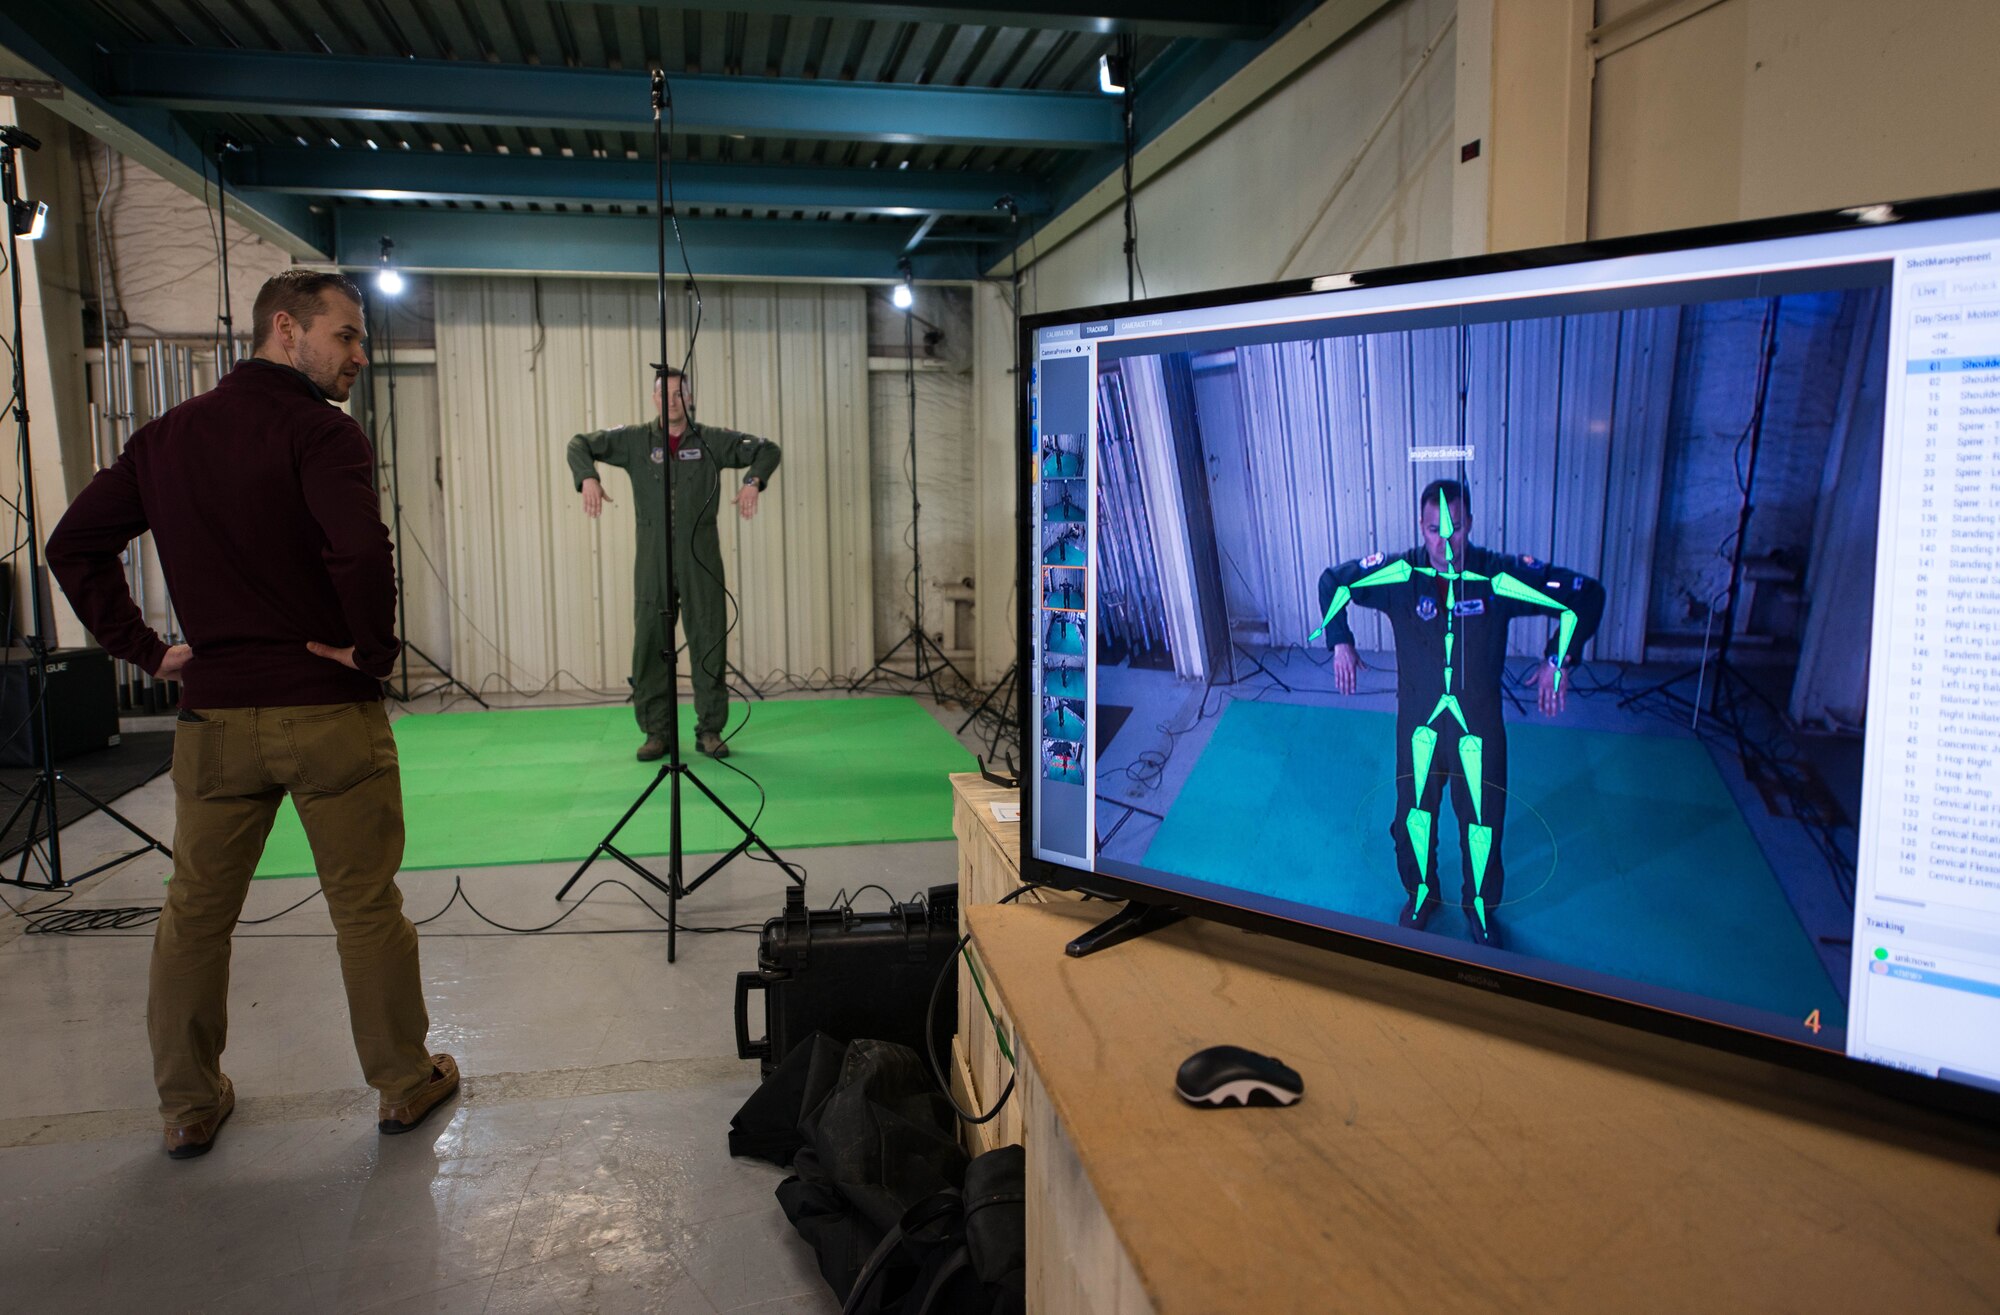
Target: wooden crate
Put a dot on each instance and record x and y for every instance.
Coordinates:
(989, 869)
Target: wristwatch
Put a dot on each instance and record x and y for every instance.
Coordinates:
(754, 482)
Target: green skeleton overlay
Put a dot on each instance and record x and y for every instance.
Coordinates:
(1422, 744)
(1471, 756)
(1480, 839)
(1393, 573)
(1423, 741)
(1419, 823)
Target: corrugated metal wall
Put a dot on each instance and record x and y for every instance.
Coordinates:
(1567, 419)
(543, 595)
(945, 495)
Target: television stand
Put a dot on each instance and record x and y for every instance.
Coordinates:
(1136, 919)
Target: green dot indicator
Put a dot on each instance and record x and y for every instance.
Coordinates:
(1881, 952)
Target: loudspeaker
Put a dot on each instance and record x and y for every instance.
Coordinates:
(83, 705)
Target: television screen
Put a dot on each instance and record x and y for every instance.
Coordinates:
(1613, 623)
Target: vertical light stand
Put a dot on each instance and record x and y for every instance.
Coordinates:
(389, 281)
(39, 801)
(922, 647)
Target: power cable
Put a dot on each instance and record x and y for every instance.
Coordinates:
(930, 1023)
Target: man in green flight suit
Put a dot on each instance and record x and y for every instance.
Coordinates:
(698, 454)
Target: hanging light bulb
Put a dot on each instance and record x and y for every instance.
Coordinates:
(388, 279)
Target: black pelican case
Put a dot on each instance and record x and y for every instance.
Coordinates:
(852, 974)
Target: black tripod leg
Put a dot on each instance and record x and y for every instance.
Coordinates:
(98, 805)
(1659, 687)
(33, 802)
(1258, 663)
(1006, 682)
(116, 816)
(750, 837)
(944, 663)
(605, 844)
(450, 681)
(27, 797)
(881, 665)
(750, 687)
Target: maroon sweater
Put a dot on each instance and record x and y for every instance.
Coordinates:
(261, 498)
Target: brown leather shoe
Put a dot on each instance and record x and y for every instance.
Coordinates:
(712, 744)
(392, 1119)
(652, 750)
(186, 1141)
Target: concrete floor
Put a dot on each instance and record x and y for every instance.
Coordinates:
(583, 1168)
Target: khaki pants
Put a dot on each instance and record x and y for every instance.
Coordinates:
(232, 767)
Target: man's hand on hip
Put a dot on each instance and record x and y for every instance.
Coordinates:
(344, 656)
(594, 498)
(170, 665)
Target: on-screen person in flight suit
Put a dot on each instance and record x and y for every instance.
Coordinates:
(1449, 604)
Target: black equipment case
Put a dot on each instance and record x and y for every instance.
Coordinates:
(83, 704)
(852, 975)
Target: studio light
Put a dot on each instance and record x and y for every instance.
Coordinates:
(387, 278)
(903, 297)
(31, 218)
(1111, 75)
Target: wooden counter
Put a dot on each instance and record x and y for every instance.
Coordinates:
(1456, 1151)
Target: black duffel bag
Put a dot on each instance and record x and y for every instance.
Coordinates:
(958, 1253)
(880, 1189)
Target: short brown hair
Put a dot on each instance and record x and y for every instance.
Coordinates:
(298, 293)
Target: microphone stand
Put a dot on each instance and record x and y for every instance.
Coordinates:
(673, 771)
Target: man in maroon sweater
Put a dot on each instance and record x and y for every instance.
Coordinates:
(261, 498)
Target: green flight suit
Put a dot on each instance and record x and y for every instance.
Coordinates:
(700, 493)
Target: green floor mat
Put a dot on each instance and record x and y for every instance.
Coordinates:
(1625, 853)
(535, 785)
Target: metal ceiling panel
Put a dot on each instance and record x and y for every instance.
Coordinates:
(844, 114)
(396, 175)
(440, 91)
(517, 241)
(1243, 20)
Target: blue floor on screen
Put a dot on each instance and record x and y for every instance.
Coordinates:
(1625, 853)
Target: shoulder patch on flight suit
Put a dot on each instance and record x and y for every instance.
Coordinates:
(1526, 560)
(659, 456)
(1374, 559)
(1427, 608)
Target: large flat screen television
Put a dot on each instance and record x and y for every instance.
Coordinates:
(1614, 624)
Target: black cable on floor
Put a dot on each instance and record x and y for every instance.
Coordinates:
(51, 920)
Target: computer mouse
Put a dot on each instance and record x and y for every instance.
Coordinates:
(1231, 1075)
